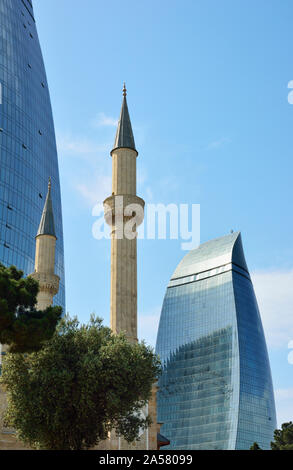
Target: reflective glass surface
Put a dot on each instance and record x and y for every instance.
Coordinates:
(216, 389)
(28, 153)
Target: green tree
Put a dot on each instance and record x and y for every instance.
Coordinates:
(22, 326)
(283, 438)
(255, 446)
(84, 382)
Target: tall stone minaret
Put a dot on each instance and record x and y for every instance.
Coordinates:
(124, 211)
(119, 210)
(45, 256)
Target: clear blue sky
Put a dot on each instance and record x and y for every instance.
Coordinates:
(207, 93)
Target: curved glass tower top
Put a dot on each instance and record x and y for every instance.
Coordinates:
(28, 155)
(217, 252)
(216, 389)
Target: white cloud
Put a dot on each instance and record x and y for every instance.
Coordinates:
(90, 176)
(218, 143)
(274, 291)
(103, 120)
(284, 405)
(141, 176)
(79, 146)
(149, 194)
(148, 324)
(95, 190)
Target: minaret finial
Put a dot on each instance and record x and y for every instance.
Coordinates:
(49, 184)
(124, 89)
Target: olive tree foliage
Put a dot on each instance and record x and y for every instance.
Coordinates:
(283, 438)
(22, 327)
(84, 382)
(255, 446)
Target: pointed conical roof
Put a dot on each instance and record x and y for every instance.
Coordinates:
(124, 135)
(47, 226)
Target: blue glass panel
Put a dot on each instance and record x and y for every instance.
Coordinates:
(216, 389)
(28, 153)
(257, 417)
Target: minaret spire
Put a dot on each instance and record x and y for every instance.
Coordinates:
(47, 225)
(45, 256)
(124, 135)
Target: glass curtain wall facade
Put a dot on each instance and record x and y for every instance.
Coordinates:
(28, 154)
(216, 390)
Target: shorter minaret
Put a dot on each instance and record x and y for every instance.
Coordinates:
(45, 256)
(49, 286)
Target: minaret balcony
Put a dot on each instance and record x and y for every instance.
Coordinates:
(47, 282)
(125, 207)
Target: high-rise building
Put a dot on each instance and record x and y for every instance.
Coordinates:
(28, 155)
(216, 389)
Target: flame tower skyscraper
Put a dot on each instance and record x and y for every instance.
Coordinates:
(28, 155)
(216, 390)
